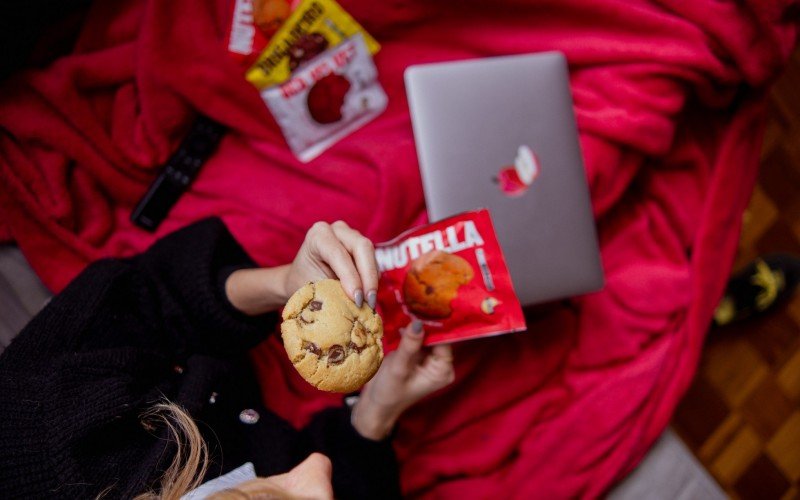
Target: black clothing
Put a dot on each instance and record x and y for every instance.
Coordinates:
(23, 25)
(758, 288)
(127, 334)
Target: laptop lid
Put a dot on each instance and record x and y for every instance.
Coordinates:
(500, 133)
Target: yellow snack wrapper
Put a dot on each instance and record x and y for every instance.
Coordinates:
(313, 26)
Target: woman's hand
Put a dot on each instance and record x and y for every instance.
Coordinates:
(310, 479)
(336, 251)
(329, 251)
(407, 375)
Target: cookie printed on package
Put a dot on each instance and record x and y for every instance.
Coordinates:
(312, 27)
(330, 96)
(452, 276)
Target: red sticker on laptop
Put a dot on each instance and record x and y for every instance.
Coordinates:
(452, 276)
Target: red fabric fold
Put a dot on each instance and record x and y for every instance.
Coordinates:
(669, 101)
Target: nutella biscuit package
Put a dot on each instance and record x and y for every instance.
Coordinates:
(327, 98)
(452, 276)
(313, 27)
(253, 24)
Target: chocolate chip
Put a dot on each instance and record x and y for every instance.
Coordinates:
(352, 346)
(315, 305)
(312, 348)
(336, 355)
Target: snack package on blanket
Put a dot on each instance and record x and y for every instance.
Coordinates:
(452, 276)
(313, 27)
(326, 99)
(252, 25)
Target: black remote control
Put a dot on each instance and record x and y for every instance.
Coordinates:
(178, 173)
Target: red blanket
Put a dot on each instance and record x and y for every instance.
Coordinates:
(668, 96)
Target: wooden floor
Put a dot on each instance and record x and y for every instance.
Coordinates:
(741, 417)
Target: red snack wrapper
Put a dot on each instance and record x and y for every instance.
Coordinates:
(452, 276)
(253, 23)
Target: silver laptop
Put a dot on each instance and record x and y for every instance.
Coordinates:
(500, 133)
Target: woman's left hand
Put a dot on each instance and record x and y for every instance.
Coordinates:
(406, 375)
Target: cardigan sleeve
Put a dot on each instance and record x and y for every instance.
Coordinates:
(169, 299)
(186, 272)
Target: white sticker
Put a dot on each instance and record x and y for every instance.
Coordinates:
(526, 165)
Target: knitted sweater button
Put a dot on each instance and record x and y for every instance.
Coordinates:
(249, 416)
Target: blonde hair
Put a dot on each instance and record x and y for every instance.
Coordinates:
(190, 464)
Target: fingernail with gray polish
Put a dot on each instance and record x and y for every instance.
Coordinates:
(416, 327)
(359, 296)
(372, 299)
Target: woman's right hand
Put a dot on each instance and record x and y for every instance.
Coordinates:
(336, 251)
(328, 251)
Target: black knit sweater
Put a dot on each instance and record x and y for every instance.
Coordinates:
(127, 334)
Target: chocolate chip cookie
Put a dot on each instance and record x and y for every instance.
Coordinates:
(433, 281)
(333, 344)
